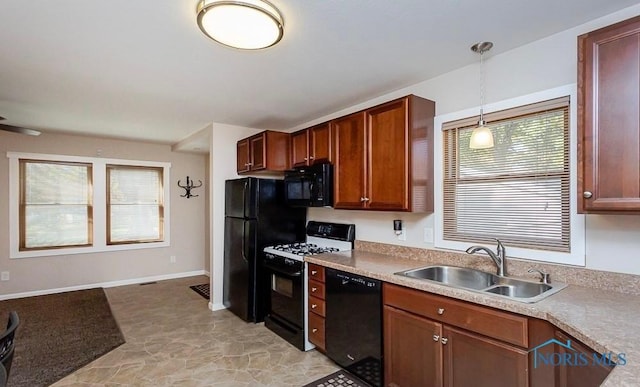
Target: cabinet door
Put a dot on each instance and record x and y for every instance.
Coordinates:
(588, 375)
(349, 161)
(608, 108)
(474, 360)
(320, 144)
(412, 350)
(242, 156)
(388, 156)
(300, 148)
(257, 144)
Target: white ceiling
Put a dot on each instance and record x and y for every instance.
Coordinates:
(142, 69)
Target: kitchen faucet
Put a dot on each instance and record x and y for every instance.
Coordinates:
(498, 257)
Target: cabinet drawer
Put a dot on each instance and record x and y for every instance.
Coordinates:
(316, 330)
(316, 272)
(489, 322)
(317, 306)
(316, 289)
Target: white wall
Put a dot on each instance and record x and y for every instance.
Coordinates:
(222, 166)
(40, 274)
(611, 241)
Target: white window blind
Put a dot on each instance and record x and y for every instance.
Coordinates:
(517, 191)
(135, 204)
(55, 205)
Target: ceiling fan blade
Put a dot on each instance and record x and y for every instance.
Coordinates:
(18, 129)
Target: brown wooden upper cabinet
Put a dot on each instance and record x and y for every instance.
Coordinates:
(383, 157)
(311, 146)
(608, 126)
(266, 151)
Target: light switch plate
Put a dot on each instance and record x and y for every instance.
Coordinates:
(428, 235)
(4, 276)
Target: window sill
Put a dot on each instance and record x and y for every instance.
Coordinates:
(87, 250)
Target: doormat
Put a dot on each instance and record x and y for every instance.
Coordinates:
(58, 334)
(338, 379)
(202, 290)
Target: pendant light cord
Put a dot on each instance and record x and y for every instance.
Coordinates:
(482, 86)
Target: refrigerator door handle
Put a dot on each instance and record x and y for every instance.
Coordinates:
(244, 237)
(244, 204)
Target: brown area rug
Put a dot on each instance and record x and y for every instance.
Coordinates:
(58, 334)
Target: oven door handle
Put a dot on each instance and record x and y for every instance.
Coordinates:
(284, 272)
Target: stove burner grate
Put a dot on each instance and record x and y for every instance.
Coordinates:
(305, 249)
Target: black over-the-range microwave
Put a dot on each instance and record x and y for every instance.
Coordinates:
(309, 186)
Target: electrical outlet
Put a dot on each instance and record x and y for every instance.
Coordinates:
(428, 235)
(172, 259)
(4, 276)
(402, 236)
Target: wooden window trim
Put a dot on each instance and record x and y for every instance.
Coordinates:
(23, 206)
(160, 170)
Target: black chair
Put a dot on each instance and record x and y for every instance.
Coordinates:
(7, 344)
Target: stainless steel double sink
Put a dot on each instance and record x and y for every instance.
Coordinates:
(483, 282)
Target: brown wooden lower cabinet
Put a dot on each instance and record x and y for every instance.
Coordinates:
(474, 360)
(316, 306)
(412, 350)
(581, 375)
(432, 340)
(422, 352)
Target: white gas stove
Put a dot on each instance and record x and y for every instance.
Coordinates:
(289, 279)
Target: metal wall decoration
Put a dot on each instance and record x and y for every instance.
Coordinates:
(188, 187)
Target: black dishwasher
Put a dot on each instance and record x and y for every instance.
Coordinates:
(353, 325)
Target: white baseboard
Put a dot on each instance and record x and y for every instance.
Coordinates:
(216, 306)
(109, 284)
(207, 273)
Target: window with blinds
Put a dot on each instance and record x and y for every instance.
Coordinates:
(135, 210)
(55, 205)
(517, 191)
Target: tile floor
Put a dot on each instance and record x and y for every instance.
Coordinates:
(173, 339)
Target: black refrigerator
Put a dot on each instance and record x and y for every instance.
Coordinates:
(255, 217)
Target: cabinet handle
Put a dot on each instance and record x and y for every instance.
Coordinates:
(366, 199)
(436, 338)
(314, 330)
(312, 157)
(362, 199)
(313, 306)
(306, 159)
(314, 289)
(440, 310)
(247, 164)
(444, 340)
(587, 195)
(314, 272)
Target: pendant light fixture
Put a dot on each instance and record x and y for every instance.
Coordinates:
(245, 24)
(481, 136)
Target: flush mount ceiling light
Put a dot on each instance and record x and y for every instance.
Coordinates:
(246, 24)
(481, 137)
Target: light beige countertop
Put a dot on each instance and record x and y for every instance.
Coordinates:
(605, 320)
